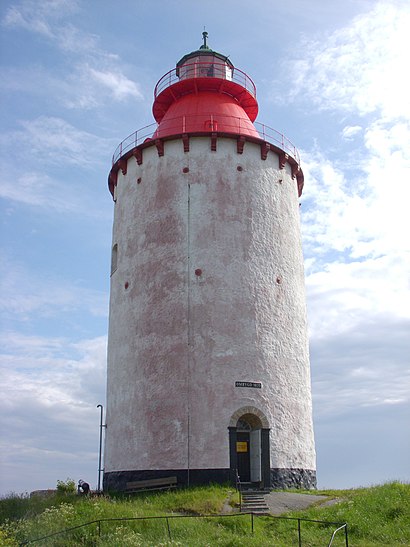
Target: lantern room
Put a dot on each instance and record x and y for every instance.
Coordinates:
(205, 93)
(205, 63)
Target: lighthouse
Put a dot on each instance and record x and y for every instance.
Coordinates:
(208, 373)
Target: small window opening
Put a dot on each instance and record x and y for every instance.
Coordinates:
(114, 258)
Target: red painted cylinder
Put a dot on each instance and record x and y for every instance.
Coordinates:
(206, 112)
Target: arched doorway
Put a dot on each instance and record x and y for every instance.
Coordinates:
(249, 447)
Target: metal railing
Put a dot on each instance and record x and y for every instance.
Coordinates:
(279, 139)
(167, 518)
(342, 527)
(205, 69)
(133, 140)
(238, 489)
(180, 124)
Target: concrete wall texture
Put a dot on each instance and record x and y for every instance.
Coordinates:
(208, 290)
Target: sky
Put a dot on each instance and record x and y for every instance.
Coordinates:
(77, 77)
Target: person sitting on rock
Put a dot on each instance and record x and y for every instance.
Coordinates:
(83, 487)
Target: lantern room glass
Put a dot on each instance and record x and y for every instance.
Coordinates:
(205, 66)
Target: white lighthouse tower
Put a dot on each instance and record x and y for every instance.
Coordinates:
(208, 364)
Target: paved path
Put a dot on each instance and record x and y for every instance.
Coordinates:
(282, 502)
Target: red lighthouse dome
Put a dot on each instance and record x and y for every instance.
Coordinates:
(205, 93)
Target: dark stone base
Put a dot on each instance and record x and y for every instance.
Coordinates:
(115, 481)
(293, 478)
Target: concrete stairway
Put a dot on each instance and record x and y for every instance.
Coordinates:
(254, 502)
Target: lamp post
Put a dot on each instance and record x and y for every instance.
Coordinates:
(100, 449)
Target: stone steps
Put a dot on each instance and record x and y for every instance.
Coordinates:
(254, 502)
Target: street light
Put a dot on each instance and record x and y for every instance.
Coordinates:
(100, 450)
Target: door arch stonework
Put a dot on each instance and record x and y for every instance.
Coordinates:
(249, 410)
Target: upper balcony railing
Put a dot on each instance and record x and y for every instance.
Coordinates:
(233, 124)
(205, 69)
(135, 139)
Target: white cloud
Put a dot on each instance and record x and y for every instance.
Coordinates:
(357, 192)
(51, 159)
(26, 296)
(46, 18)
(343, 296)
(350, 131)
(359, 210)
(72, 40)
(361, 367)
(39, 16)
(50, 389)
(50, 371)
(17, 18)
(83, 87)
(39, 190)
(95, 75)
(360, 67)
(62, 193)
(333, 208)
(56, 141)
(355, 218)
(388, 168)
(93, 86)
(120, 86)
(89, 87)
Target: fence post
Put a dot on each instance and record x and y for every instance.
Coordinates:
(346, 536)
(99, 528)
(252, 521)
(299, 534)
(169, 530)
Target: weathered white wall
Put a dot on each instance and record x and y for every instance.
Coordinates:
(179, 341)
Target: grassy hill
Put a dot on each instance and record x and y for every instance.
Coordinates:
(376, 516)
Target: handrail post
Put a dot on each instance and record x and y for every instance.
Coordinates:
(238, 488)
(335, 532)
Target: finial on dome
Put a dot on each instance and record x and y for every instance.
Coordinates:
(205, 36)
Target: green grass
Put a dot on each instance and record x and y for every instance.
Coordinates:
(379, 515)
(376, 516)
